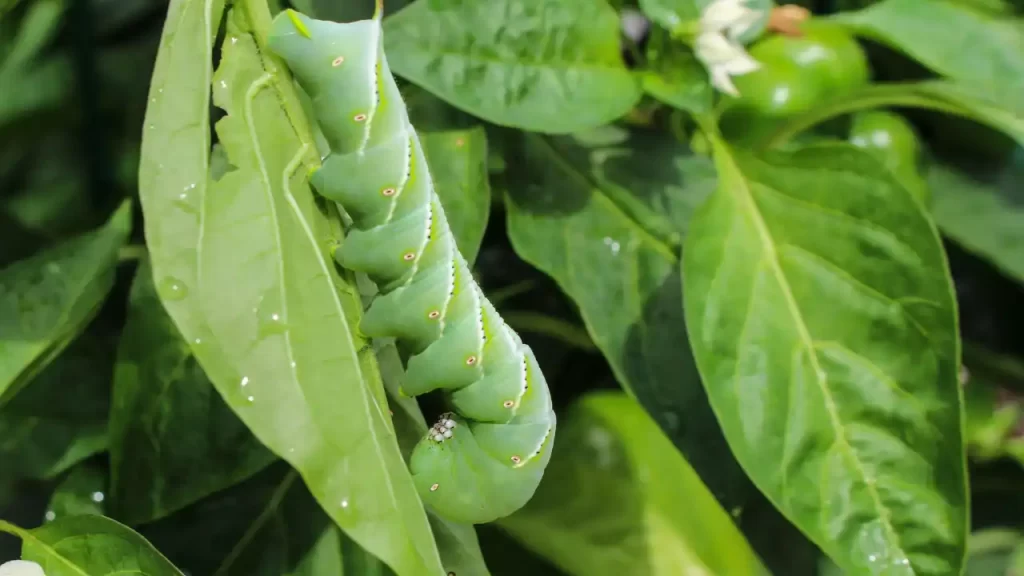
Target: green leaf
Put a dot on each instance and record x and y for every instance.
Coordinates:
(243, 267)
(268, 525)
(604, 221)
(550, 66)
(675, 76)
(618, 499)
(821, 313)
(173, 439)
(980, 52)
(61, 419)
(46, 300)
(982, 212)
(458, 163)
(82, 492)
(90, 546)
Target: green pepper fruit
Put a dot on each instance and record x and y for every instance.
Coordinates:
(893, 140)
(798, 73)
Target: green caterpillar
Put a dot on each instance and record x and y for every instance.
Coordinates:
(484, 461)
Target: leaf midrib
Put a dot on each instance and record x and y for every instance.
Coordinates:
(743, 194)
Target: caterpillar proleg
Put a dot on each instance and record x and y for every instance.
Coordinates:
(484, 460)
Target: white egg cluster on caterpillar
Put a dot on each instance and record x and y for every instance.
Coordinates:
(485, 460)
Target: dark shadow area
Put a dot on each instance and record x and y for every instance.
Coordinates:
(270, 522)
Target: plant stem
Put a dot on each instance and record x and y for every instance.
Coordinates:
(132, 252)
(875, 96)
(567, 332)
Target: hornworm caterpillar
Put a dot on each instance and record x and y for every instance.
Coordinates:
(485, 460)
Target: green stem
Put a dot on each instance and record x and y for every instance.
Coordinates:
(265, 515)
(13, 530)
(132, 253)
(993, 540)
(555, 328)
(875, 96)
(500, 295)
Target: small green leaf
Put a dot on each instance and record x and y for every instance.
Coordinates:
(173, 439)
(821, 313)
(604, 220)
(46, 300)
(984, 213)
(458, 163)
(83, 491)
(618, 499)
(983, 53)
(90, 546)
(550, 66)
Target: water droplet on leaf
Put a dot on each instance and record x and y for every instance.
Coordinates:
(172, 289)
(270, 316)
(187, 200)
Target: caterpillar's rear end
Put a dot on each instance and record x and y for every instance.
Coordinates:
(485, 460)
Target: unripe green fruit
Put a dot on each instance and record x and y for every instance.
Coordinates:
(799, 73)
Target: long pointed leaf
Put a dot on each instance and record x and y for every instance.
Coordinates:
(821, 313)
(243, 267)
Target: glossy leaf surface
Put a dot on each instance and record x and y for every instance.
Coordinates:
(618, 499)
(550, 66)
(821, 315)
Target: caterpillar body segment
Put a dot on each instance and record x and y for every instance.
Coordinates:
(485, 460)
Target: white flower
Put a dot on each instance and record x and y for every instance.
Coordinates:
(722, 22)
(21, 568)
(730, 16)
